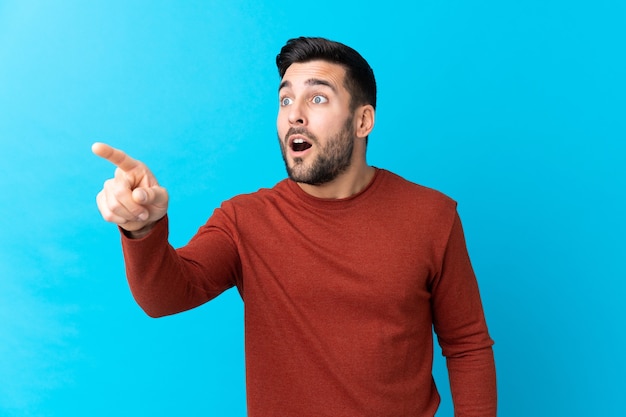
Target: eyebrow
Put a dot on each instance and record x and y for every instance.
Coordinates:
(309, 82)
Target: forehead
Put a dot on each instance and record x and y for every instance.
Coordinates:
(312, 72)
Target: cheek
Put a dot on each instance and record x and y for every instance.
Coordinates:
(282, 124)
(329, 125)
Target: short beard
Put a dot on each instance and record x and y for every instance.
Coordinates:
(332, 160)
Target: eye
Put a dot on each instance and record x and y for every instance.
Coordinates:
(285, 101)
(319, 100)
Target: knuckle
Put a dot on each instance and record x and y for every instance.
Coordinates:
(136, 211)
(114, 205)
(119, 193)
(109, 217)
(107, 214)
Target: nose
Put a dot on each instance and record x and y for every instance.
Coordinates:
(296, 114)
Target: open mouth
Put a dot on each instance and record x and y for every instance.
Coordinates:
(300, 145)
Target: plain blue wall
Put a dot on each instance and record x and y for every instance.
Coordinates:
(515, 109)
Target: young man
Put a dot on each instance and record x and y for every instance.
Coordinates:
(344, 268)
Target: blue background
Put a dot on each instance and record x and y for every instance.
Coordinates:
(515, 109)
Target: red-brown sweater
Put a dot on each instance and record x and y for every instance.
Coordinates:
(340, 298)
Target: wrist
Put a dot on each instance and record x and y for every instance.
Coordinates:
(139, 233)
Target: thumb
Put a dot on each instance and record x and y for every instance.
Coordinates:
(150, 195)
(140, 196)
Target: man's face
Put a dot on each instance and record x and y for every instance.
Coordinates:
(315, 122)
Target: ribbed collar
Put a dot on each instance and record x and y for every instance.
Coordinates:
(337, 203)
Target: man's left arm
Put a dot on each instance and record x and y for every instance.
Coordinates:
(461, 329)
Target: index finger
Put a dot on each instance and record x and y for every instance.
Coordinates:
(114, 156)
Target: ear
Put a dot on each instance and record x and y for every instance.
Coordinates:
(364, 120)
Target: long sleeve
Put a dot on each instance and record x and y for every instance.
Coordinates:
(166, 281)
(462, 332)
(340, 298)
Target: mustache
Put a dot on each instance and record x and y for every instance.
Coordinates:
(302, 131)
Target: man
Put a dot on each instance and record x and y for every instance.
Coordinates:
(343, 268)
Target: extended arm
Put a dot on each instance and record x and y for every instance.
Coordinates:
(163, 280)
(166, 281)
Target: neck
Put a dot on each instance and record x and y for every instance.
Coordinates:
(347, 184)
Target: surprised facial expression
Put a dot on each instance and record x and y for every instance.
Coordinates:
(315, 122)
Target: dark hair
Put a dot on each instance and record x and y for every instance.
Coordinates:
(359, 80)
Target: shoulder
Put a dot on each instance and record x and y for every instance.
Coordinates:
(399, 190)
(261, 196)
(417, 210)
(257, 202)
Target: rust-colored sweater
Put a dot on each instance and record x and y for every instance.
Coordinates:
(340, 298)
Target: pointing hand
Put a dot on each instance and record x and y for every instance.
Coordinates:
(132, 199)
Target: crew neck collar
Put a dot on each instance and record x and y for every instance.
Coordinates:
(335, 203)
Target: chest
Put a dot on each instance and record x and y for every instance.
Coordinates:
(382, 260)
